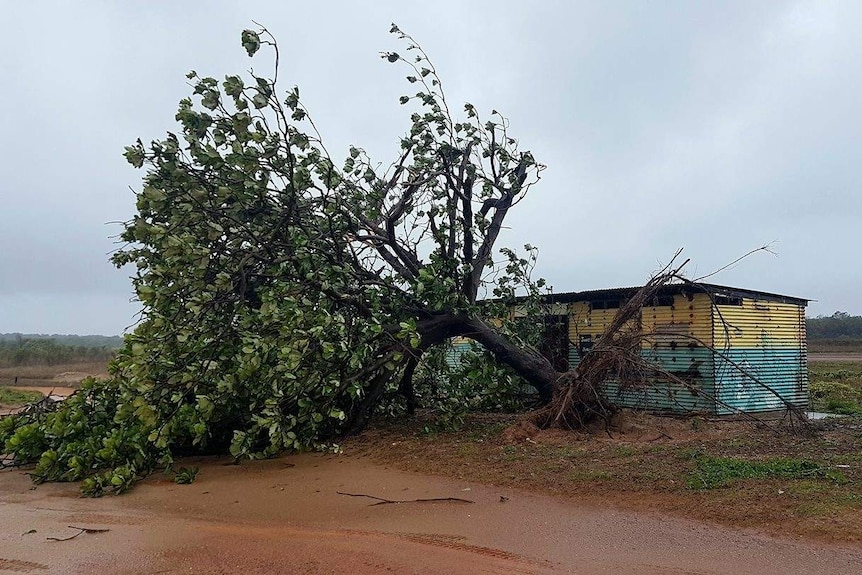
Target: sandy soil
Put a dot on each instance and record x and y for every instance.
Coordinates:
(285, 516)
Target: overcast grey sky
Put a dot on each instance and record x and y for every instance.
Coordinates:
(713, 126)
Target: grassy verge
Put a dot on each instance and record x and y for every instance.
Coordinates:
(17, 397)
(733, 473)
(713, 472)
(835, 345)
(836, 387)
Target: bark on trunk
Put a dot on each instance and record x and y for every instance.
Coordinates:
(533, 367)
(405, 387)
(363, 412)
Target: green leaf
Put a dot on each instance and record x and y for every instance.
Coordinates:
(135, 154)
(233, 86)
(250, 41)
(210, 100)
(260, 101)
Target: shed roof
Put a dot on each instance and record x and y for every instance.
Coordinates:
(672, 289)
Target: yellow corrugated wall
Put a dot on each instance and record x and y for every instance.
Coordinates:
(687, 321)
(758, 324)
(684, 322)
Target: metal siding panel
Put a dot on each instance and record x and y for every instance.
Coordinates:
(457, 348)
(686, 322)
(661, 396)
(758, 324)
(674, 338)
(664, 395)
(693, 365)
(763, 346)
(743, 376)
(583, 321)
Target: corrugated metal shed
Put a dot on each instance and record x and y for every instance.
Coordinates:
(739, 349)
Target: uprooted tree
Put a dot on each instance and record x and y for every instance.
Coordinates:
(284, 296)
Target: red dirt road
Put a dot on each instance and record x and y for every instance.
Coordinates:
(284, 516)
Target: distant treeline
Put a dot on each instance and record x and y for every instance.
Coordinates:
(46, 351)
(109, 341)
(839, 325)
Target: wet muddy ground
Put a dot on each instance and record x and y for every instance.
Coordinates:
(286, 516)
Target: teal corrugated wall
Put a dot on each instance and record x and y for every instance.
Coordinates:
(691, 365)
(456, 349)
(742, 376)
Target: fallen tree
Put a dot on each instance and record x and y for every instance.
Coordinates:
(285, 298)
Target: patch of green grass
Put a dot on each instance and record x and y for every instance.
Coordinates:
(808, 487)
(626, 451)
(836, 387)
(711, 472)
(836, 397)
(17, 396)
(512, 453)
(690, 453)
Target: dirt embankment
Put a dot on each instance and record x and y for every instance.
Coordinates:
(63, 375)
(286, 516)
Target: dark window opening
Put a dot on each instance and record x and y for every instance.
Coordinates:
(605, 304)
(727, 300)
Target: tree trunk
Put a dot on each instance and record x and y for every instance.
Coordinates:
(405, 387)
(533, 367)
(361, 415)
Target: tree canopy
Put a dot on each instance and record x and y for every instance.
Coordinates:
(287, 296)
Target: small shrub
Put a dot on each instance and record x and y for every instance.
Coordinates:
(186, 475)
(17, 397)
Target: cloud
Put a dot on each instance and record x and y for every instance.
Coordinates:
(716, 127)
